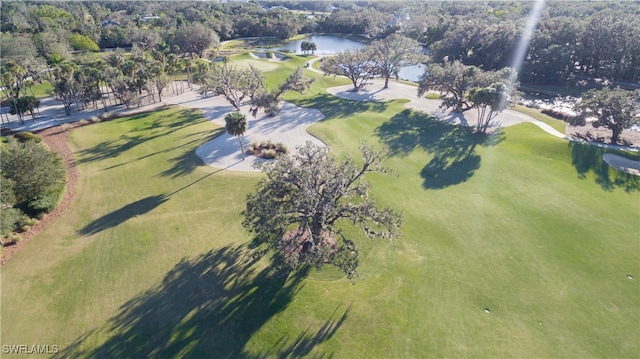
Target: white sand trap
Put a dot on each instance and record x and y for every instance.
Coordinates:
(622, 164)
(288, 127)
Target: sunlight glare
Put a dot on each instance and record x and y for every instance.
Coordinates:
(523, 43)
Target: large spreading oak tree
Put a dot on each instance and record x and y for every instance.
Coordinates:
(235, 84)
(356, 65)
(615, 109)
(269, 100)
(298, 209)
(394, 52)
(456, 80)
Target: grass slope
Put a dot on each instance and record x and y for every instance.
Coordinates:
(150, 260)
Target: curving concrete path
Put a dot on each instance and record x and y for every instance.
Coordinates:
(397, 90)
(289, 126)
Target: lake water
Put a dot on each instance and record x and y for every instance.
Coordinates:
(329, 45)
(412, 73)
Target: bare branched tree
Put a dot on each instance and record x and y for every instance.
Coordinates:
(297, 208)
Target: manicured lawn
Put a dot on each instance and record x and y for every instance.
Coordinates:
(151, 259)
(558, 125)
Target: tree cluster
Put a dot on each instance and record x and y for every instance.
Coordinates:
(573, 41)
(385, 57)
(16, 81)
(94, 79)
(308, 47)
(31, 181)
(239, 86)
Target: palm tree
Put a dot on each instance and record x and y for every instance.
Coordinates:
(236, 125)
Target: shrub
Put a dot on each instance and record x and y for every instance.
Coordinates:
(34, 170)
(7, 196)
(45, 204)
(10, 239)
(108, 116)
(27, 223)
(281, 148)
(95, 119)
(272, 110)
(269, 154)
(23, 137)
(10, 220)
(267, 149)
(65, 127)
(82, 43)
(83, 122)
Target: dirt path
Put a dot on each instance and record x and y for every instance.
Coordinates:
(57, 141)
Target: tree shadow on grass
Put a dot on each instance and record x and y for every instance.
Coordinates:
(111, 148)
(188, 160)
(173, 121)
(162, 126)
(123, 214)
(453, 146)
(336, 107)
(588, 159)
(209, 306)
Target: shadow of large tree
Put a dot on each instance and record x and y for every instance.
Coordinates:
(336, 107)
(152, 127)
(187, 160)
(205, 307)
(453, 147)
(588, 159)
(121, 215)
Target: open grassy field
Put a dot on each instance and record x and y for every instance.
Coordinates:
(151, 259)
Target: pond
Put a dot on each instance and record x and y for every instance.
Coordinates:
(412, 73)
(332, 44)
(326, 44)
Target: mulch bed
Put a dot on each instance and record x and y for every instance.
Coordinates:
(602, 134)
(57, 140)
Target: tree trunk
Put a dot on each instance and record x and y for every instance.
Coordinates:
(615, 135)
(386, 81)
(241, 147)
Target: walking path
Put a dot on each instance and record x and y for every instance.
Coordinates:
(289, 126)
(397, 90)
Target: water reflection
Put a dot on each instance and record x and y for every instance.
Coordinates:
(412, 73)
(331, 44)
(326, 44)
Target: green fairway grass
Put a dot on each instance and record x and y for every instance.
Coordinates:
(151, 260)
(558, 125)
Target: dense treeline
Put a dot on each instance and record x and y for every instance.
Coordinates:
(574, 40)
